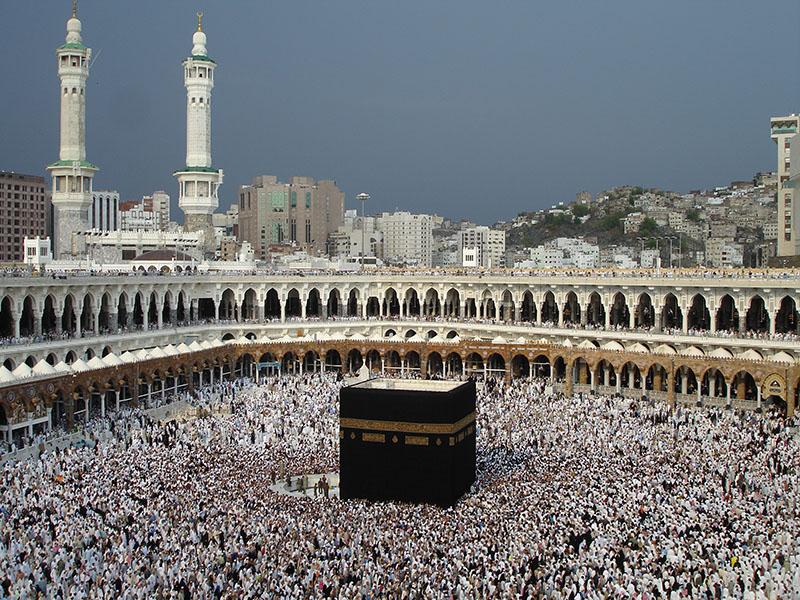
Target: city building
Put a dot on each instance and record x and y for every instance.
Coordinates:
(134, 216)
(24, 206)
(198, 180)
(158, 203)
(228, 248)
(110, 247)
(71, 174)
(723, 252)
(407, 238)
(563, 252)
(301, 213)
(37, 252)
(104, 214)
(489, 245)
(782, 130)
(347, 240)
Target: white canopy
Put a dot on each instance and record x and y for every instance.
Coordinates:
(63, 367)
(43, 368)
(5, 375)
(128, 357)
(111, 360)
(21, 371)
(79, 365)
(96, 363)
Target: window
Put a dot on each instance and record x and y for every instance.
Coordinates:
(308, 199)
(293, 231)
(294, 200)
(308, 231)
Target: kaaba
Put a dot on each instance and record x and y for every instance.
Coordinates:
(407, 440)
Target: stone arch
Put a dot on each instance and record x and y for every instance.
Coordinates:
(630, 376)
(743, 386)
(714, 384)
(528, 311)
(71, 357)
(87, 312)
(334, 303)
(51, 359)
(549, 312)
(434, 365)
(413, 361)
(311, 362)
(392, 360)
(389, 333)
(31, 361)
(507, 309)
(572, 308)
(495, 365)
(181, 312)
(470, 308)
(373, 360)
(757, 317)
(452, 303)
(432, 306)
(671, 313)
(373, 307)
(411, 303)
(49, 318)
(410, 333)
(727, 317)
(644, 316)
(520, 366)
(488, 308)
(699, 317)
(293, 307)
(605, 374)
(10, 364)
(272, 305)
(104, 319)
(167, 308)
(657, 378)
(228, 306)
(333, 361)
(290, 362)
(541, 366)
(122, 311)
(69, 320)
(595, 311)
(152, 310)
(105, 352)
(559, 369)
(27, 318)
(352, 303)
(454, 364)
(581, 371)
(354, 360)
(250, 305)
(620, 313)
(473, 364)
(313, 304)
(787, 318)
(685, 380)
(391, 305)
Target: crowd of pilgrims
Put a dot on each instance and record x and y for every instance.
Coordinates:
(575, 497)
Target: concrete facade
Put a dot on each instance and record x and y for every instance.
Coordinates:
(407, 238)
(302, 213)
(782, 131)
(104, 214)
(24, 204)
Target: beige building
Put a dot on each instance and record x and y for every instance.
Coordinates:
(487, 245)
(158, 204)
(407, 238)
(782, 130)
(301, 213)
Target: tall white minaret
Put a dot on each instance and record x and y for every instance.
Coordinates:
(72, 174)
(199, 181)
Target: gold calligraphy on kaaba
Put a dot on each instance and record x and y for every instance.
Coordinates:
(408, 426)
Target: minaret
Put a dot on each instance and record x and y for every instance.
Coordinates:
(72, 174)
(199, 180)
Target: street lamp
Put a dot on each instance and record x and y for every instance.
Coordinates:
(671, 238)
(363, 197)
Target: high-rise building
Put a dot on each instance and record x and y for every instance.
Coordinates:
(104, 215)
(302, 213)
(782, 130)
(199, 181)
(72, 174)
(489, 246)
(24, 204)
(407, 238)
(158, 203)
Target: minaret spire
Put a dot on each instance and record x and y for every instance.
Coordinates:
(199, 180)
(72, 174)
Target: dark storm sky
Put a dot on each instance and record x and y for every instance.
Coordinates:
(466, 108)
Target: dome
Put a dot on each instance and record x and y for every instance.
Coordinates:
(199, 41)
(74, 28)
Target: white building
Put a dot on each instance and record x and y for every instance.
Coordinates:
(199, 181)
(347, 240)
(104, 214)
(137, 218)
(120, 246)
(783, 130)
(407, 238)
(72, 174)
(159, 203)
(565, 252)
(649, 258)
(490, 245)
(723, 252)
(37, 252)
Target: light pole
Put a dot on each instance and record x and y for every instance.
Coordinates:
(363, 197)
(671, 238)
